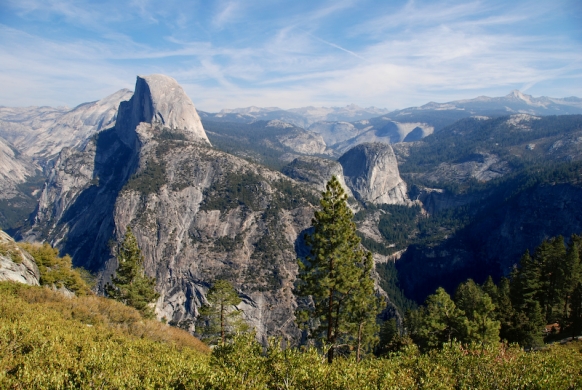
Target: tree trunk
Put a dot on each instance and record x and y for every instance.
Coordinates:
(359, 342)
(222, 336)
(330, 319)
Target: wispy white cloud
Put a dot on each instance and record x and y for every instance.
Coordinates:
(333, 53)
(228, 11)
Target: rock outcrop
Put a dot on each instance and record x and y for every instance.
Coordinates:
(41, 134)
(16, 264)
(316, 171)
(371, 172)
(160, 100)
(299, 140)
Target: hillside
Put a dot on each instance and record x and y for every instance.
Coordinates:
(49, 341)
(53, 341)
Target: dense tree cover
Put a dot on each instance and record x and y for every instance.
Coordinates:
(388, 280)
(337, 278)
(249, 189)
(466, 137)
(220, 318)
(131, 285)
(544, 289)
(45, 342)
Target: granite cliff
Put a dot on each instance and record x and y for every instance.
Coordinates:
(199, 214)
(371, 172)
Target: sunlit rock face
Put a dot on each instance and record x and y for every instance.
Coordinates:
(371, 172)
(160, 100)
(199, 214)
(17, 265)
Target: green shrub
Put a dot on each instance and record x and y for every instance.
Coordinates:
(54, 270)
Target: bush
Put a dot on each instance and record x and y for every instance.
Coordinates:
(56, 271)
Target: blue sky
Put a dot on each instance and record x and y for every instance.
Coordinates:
(227, 54)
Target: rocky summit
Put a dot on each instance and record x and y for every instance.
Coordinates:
(160, 100)
(371, 172)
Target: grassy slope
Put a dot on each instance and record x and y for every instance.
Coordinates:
(49, 341)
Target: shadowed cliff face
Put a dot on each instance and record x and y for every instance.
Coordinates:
(75, 210)
(499, 234)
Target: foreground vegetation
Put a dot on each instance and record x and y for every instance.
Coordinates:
(50, 341)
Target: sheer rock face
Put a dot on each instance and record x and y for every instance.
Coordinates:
(23, 270)
(14, 169)
(159, 99)
(371, 172)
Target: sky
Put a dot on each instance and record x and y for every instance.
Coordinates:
(231, 53)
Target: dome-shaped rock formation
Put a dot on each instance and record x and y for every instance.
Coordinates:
(371, 172)
(159, 99)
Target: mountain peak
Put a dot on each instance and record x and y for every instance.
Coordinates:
(159, 99)
(517, 94)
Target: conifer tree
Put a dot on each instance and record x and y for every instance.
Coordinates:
(572, 316)
(481, 326)
(220, 319)
(336, 276)
(362, 310)
(130, 285)
(550, 257)
(571, 272)
(443, 320)
(490, 288)
(505, 312)
(526, 292)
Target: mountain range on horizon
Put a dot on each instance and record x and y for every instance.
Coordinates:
(513, 103)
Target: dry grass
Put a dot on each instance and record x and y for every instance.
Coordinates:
(97, 311)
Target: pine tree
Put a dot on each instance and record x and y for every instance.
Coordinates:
(220, 319)
(550, 256)
(490, 288)
(336, 275)
(572, 316)
(481, 326)
(571, 271)
(526, 292)
(362, 310)
(441, 321)
(130, 285)
(505, 312)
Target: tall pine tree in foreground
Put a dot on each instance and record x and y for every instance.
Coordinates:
(337, 278)
(130, 285)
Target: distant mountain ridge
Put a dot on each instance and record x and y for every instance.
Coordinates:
(302, 117)
(345, 127)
